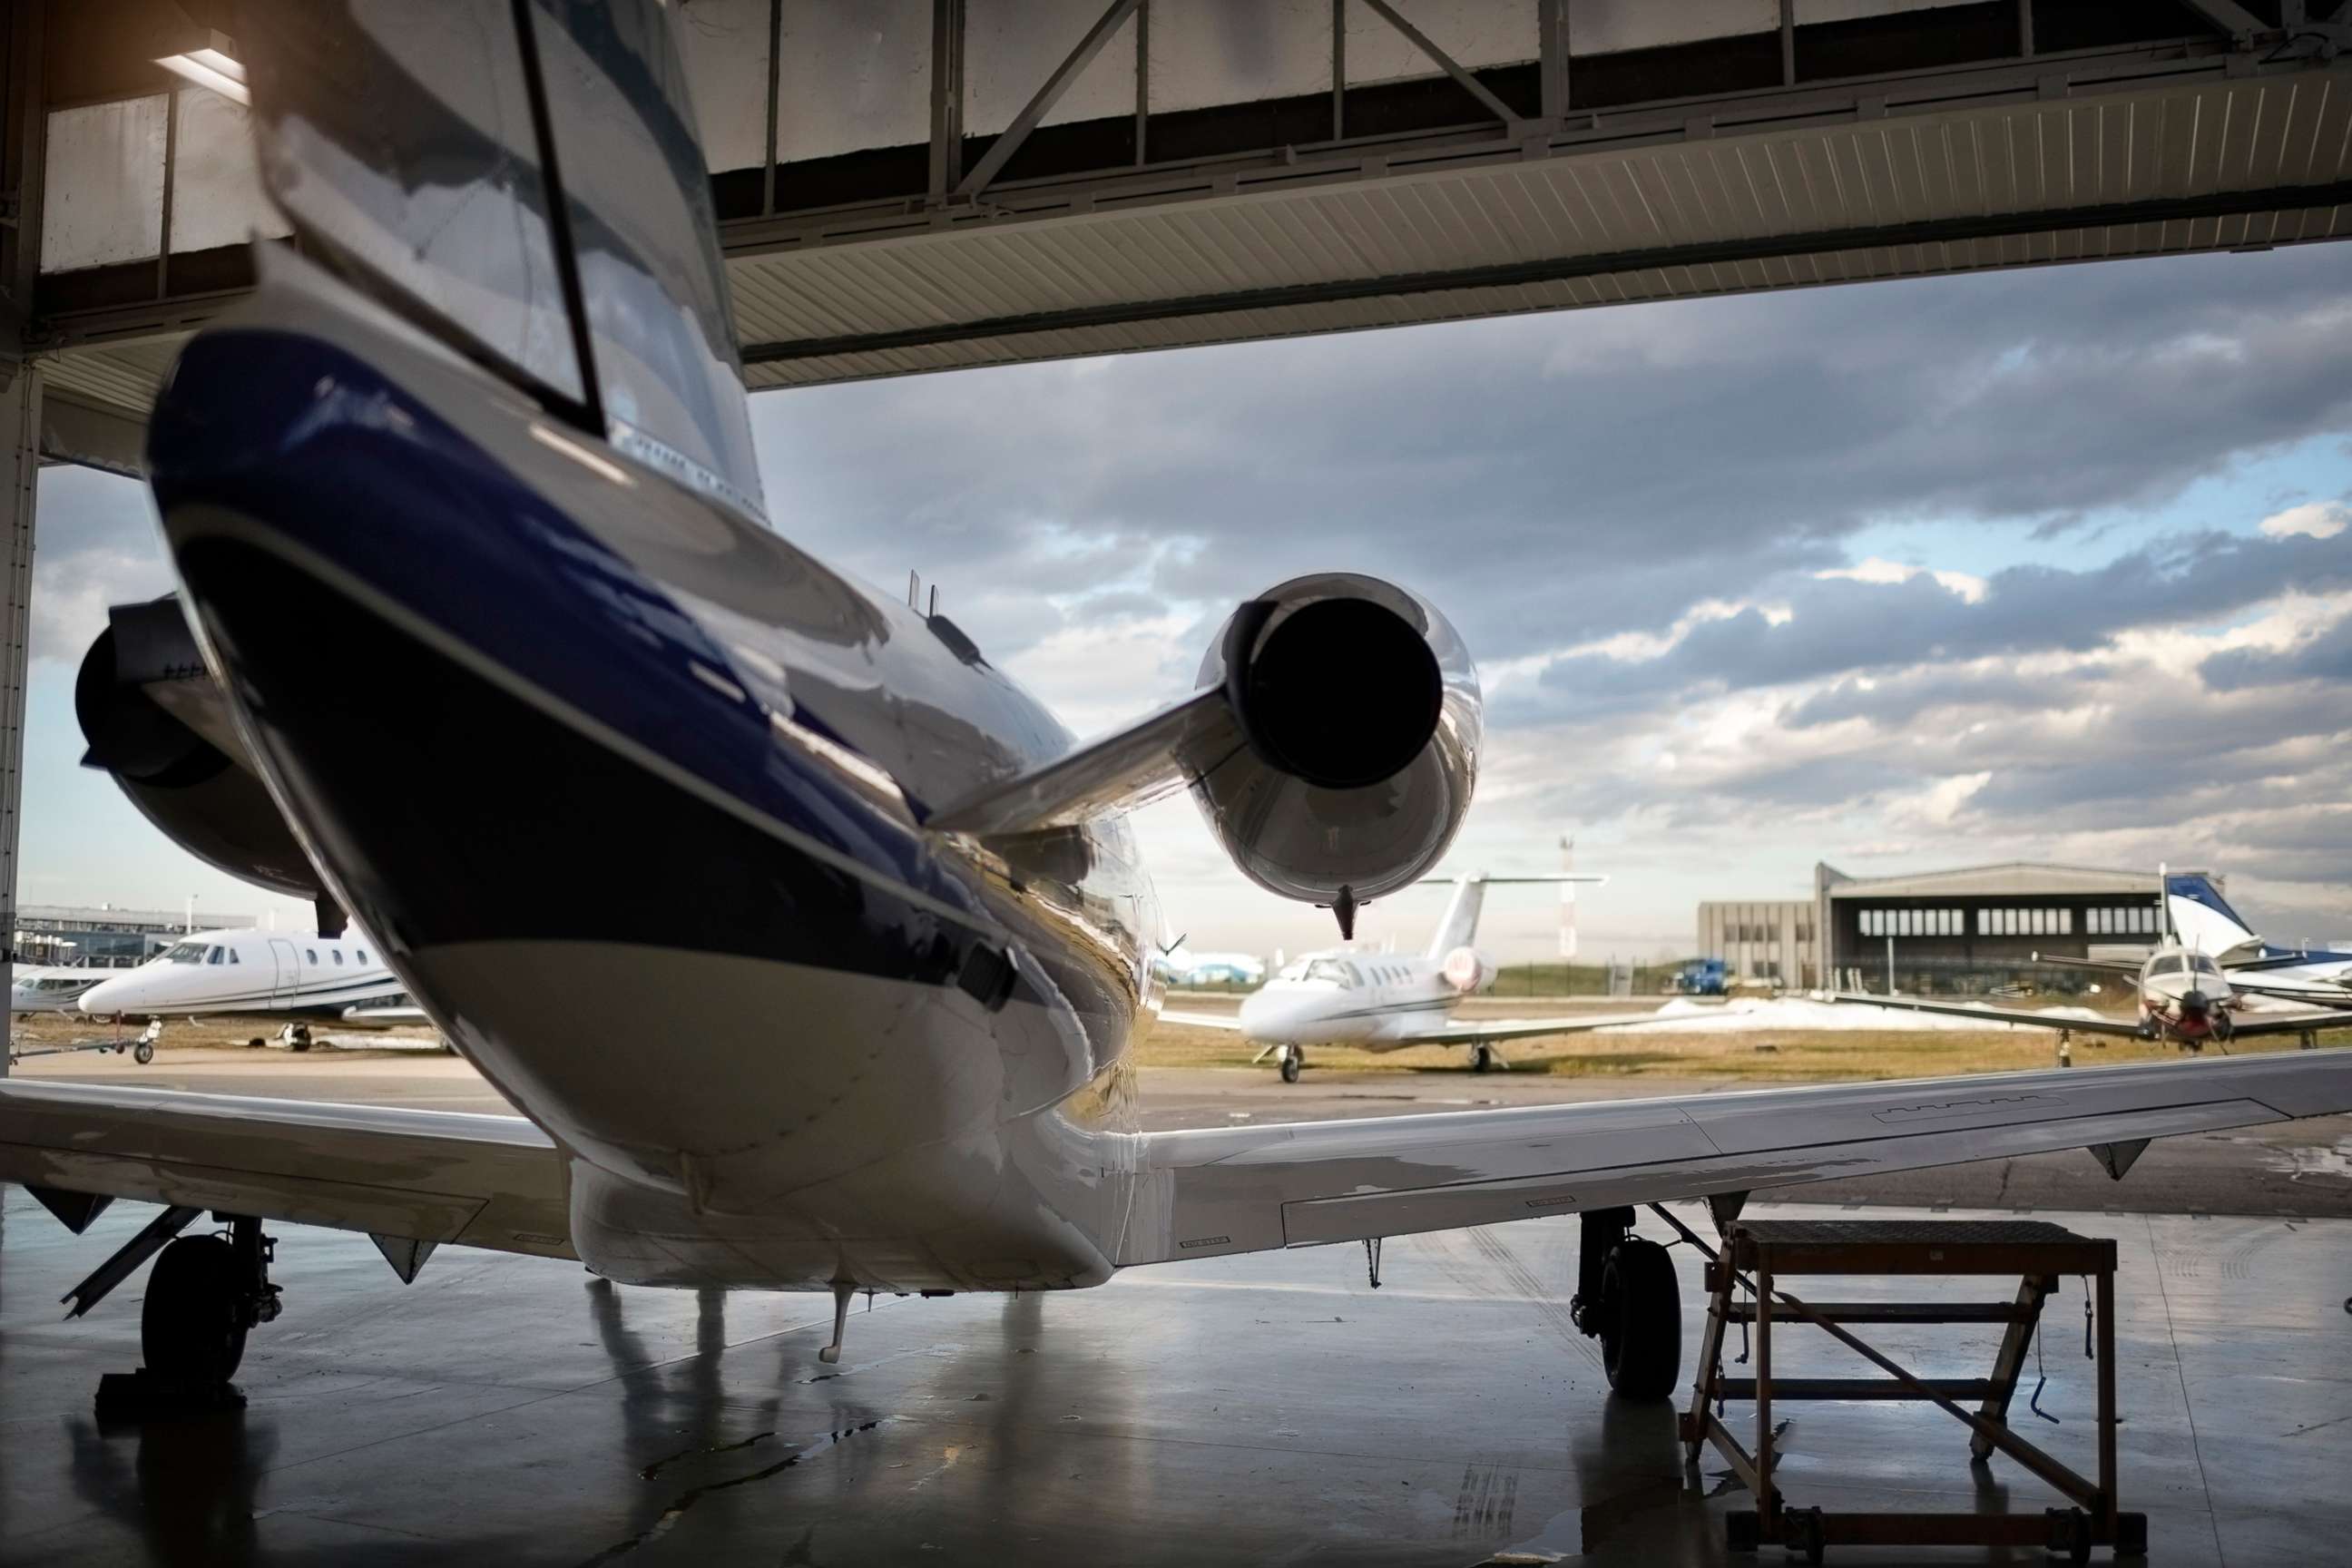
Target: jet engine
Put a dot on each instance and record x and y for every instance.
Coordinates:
(1359, 715)
(156, 720)
(1467, 969)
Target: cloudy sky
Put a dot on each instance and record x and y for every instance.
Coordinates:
(2038, 564)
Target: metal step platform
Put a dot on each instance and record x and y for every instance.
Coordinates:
(1744, 1281)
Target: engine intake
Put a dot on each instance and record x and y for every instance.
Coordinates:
(1360, 715)
(156, 722)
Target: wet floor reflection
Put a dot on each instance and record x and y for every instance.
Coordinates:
(188, 1489)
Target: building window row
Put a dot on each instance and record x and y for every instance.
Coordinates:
(1912, 923)
(2025, 922)
(2132, 920)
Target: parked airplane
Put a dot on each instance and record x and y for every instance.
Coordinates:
(2202, 920)
(250, 972)
(810, 946)
(1385, 1002)
(49, 988)
(2183, 992)
(2183, 996)
(1179, 965)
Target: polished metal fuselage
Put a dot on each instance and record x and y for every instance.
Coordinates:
(806, 1042)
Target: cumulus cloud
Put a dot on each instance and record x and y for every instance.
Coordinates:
(2318, 518)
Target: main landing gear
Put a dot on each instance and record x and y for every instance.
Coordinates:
(1292, 1058)
(1628, 1297)
(296, 1036)
(1485, 1058)
(204, 1295)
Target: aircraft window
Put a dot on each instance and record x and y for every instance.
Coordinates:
(311, 953)
(183, 953)
(214, 956)
(1332, 970)
(233, 958)
(2172, 963)
(339, 956)
(2205, 966)
(360, 955)
(1292, 971)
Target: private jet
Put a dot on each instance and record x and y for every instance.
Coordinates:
(255, 973)
(1179, 965)
(49, 988)
(810, 947)
(1386, 1002)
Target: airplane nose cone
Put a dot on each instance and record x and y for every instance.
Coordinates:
(2195, 1005)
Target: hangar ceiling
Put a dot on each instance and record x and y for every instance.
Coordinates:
(909, 185)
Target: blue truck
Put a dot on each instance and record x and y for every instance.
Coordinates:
(1700, 977)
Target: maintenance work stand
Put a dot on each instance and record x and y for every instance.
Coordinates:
(1744, 1282)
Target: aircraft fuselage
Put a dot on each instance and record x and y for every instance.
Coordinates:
(652, 852)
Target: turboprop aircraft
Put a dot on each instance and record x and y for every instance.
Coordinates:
(2183, 996)
(258, 972)
(809, 946)
(2183, 992)
(1385, 1002)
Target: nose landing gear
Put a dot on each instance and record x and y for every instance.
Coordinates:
(1293, 1058)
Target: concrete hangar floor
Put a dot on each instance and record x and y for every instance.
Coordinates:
(1258, 1409)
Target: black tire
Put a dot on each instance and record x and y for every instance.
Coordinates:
(1290, 1065)
(254, 1044)
(1482, 1059)
(143, 1052)
(297, 1043)
(1640, 1321)
(189, 1327)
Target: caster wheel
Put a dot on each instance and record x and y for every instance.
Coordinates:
(143, 1052)
(188, 1328)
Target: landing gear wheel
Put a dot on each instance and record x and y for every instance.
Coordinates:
(143, 1052)
(1640, 1321)
(1293, 1058)
(1482, 1059)
(192, 1328)
(297, 1038)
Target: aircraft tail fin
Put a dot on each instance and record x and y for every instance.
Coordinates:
(1459, 928)
(522, 179)
(2202, 917)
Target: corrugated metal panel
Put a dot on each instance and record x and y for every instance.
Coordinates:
(2220, 136)
(1678, 215)
(2016, 878)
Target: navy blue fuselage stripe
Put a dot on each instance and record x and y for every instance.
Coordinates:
(318, 445)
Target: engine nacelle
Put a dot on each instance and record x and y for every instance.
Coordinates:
(182, 764)
(1361, 716)
(1468, 970)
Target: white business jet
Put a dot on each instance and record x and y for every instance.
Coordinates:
(49, 988)
(852, 1005)
(257, 973)
(1385, 1002)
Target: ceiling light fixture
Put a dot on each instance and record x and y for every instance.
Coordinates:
(214, 68)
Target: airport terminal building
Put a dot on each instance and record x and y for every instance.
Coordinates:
(1970, 929)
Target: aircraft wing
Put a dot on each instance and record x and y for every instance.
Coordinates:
(1476, 1031)
(2288, 1023)
(496, 1181)
(1250, 1189)
(1204, 1020)
(1993, 1015)
(2105, 965)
